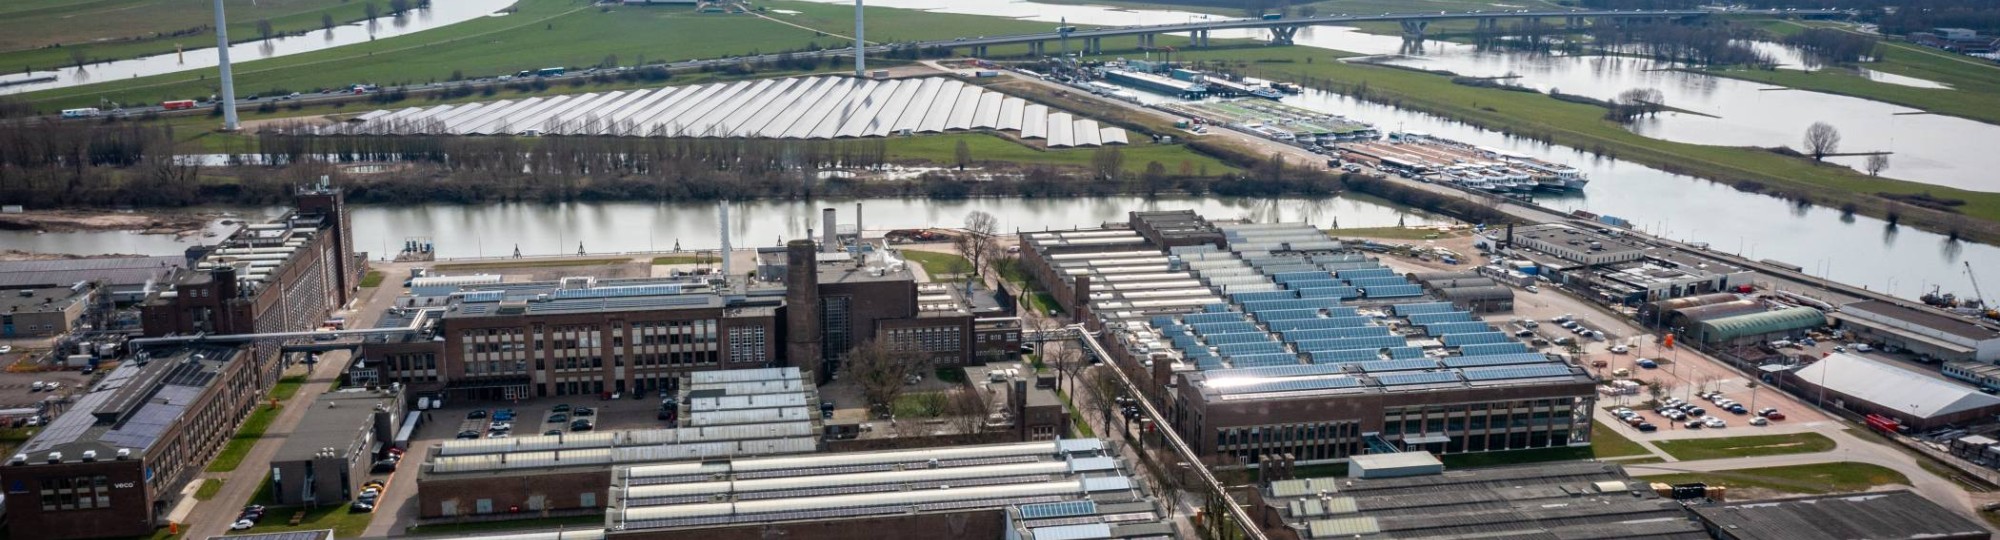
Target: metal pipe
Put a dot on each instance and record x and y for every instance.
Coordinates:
(416, 324)
(228, 78)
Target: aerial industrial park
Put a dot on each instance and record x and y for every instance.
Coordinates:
(1173, 269)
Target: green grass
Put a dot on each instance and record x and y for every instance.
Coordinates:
(209, 487)
(686, 259)
(254, 426)
(547, 33)
(1396, 233)
(1583, 126)
(1606, 443)
(504, 265)
(345, 524)
(1975, 84)
(919, 405)
(119, 29)
(11, 438)
(1043, 302)
(1751, 446)
(371, 279)
(1515, 457)
(939, 264)
(1077, 425)
(986, 147)
(508, 525)
(1841, 477)
(950, 374)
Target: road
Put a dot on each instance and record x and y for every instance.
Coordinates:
(213, 517)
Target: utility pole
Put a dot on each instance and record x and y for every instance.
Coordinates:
(860, 45)
(229, 79)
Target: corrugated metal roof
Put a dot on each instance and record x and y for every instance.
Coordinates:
(1084, 531)
(1894, 388)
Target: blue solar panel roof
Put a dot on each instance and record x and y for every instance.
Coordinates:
(1058, 509)
(1292, 385)
(1417, 377)
(1516, 372)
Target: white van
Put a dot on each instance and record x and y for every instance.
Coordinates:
(85, 112)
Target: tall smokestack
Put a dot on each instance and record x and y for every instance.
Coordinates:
(860, 45)
(829, 239)
(228, 78)
(857, 225)
(726, 267)
(802, 321)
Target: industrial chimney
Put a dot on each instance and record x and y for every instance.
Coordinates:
(857, 228)
(726, 267)
(829, 239)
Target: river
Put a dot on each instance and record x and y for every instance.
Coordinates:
(492, 230)
(441, 13)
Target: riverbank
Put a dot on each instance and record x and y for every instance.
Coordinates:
(63, 221)
(48, 37)
(1971, 215)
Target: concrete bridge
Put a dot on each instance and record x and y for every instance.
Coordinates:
(1283, 30)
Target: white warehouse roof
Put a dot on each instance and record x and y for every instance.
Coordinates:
(1889, 386)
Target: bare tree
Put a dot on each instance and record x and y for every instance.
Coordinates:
(369, 10)
(963, 153)
(1108, 161)
(881, 369)
(1877, 163)
(326, 21)
(1822, 139)
(967, 408)
(264, 28)
(976, 242)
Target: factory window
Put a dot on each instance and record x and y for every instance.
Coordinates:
(482, 506)
(76, 493)
(747, 345)
(587, 500)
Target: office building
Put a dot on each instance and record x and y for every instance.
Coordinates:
(115, 463)
(327, 458)
(47, 311)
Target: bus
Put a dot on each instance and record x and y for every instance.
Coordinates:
(85, 112)
(550, 72)
(177, 105)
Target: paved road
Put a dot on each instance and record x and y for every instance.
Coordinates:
(213, 517)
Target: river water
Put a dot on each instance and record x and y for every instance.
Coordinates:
(441, 13)
(492, 230)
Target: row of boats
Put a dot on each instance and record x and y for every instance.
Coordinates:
(1445, 161)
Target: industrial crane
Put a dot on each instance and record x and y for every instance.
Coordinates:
(1983, 311)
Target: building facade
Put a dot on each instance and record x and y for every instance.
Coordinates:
(327, 458)
(39, 312)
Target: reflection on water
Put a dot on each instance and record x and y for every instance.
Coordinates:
(441, 13)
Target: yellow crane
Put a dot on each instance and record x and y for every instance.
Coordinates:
(1985, 310)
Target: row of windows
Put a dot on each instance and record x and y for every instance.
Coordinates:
(747, 345)
(76, 493)
(1305, 442)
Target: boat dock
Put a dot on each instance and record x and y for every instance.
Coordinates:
(1277, 121)
(1446, 161)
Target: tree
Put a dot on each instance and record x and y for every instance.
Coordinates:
(326, 21)
(1822, 139)
(398, 7)
(1154, 179)
(963, 153)
(264, 28)
(1108, 162)
(370, 11)
(880, 369)
(1876, 163)
(976, 240)
(967, 409)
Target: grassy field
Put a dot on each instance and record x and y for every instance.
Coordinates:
(253, 427)
(919, 405)
(1800, 479)
(44, 34)
(1583, 126)
(1606, 442)
(502, 265)
(548, 33)
(1751, 446)
(939, 264)
(1324, 7)
(345, 524)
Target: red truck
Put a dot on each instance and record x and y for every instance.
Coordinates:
(1885, 424)
(177, 105)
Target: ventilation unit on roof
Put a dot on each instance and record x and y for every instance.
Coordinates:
(55, 457)
(124, 453)
(19, 459)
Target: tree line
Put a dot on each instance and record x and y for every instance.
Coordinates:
(1829, 46)
(1700, 44)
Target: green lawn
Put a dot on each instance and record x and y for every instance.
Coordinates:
(1818, 478)
(345, 524)
(503, 265)
(939, 264)
(371, 279)
(209, 487)
(1606, 442)
(253, 427)
(919, 405)
(1751, 446)
(1042, 301)
(1583, 126)
(1077, 424)
(30, 30)
(550, 33)
(987, 147)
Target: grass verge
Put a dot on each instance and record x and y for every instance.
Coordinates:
(1751, 446)
(1606, 443)
(254, 426)
(938, 264)
(345, 524)
(503, 265)
(372, 279)
(686, 259)
(1077, 425)
(209, 487)
(1811, 479)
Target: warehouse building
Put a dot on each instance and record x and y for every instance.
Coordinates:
(124, 279)
(1922, 331)
(1073, 488)
(1757, 327)
(42, 312)
(327, 458)
(1617, 268)
(1578, 246)
(1576, 499)
(1867, 386)
(722, 413)
(116, 462)
(1881, 514)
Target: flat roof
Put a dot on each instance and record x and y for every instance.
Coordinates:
(1894, 388)
(40, 300)
(1553, 500)
(335, 420)
(111, 270)
(1877, 515)
(1957, 326)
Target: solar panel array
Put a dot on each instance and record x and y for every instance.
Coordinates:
(820, 107)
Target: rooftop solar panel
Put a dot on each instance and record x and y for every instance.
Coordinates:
(1418, 377)
(1516, 372)
(1056, 510)
(1292, 385)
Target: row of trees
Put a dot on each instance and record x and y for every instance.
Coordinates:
(1830, 46)
(1706, 45)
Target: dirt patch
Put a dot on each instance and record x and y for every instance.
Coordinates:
(18, 255)
(85, 220)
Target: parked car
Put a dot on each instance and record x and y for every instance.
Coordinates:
(1619, 349)
(383, 466)
(580, 425)
(558, 418)
(242, 524)
(1759, 421)
(503, 415)
(500, 426)
(562, 407)
(583, 411)
(1692, 424)
(468, 434)
(1647, 427)
(359, 506)
(476, 414)
(552, 432)
(1714, 422)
